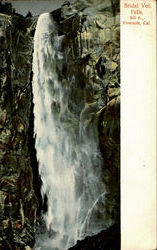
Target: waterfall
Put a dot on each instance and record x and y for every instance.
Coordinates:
(67, 147)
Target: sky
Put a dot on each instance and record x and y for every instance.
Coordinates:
(35, 7)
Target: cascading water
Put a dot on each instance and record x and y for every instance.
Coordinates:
(67, 148)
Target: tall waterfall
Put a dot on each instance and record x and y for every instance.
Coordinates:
(67, 147)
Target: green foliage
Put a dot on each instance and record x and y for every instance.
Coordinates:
(29, 14)
(6, 8)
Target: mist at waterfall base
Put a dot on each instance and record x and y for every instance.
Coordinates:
(70, 163)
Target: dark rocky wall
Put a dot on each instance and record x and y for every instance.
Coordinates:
(108, 239)
(18, 202)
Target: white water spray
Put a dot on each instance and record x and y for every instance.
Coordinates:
(68, 156)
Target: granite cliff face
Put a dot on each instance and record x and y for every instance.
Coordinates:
(91, 45)
(17, 198)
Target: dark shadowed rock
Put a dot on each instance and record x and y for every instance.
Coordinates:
(18, 203)
(108, 239)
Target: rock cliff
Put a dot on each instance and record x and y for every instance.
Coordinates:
(91, 45)
(18, 201)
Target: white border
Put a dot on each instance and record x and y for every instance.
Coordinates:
(138, 132)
